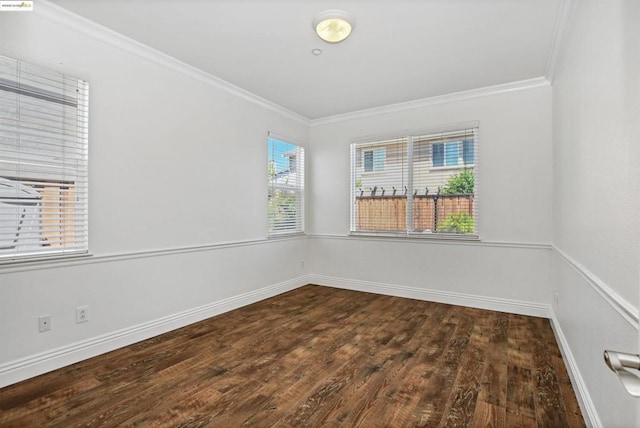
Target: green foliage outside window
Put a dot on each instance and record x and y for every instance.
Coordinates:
(283, 210)
(462, 183)
(460, 222)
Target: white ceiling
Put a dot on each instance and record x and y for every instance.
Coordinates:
(399, 51)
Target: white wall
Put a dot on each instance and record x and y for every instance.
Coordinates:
(596, 203)
(514, 203)
(164, 141)
(176, 161)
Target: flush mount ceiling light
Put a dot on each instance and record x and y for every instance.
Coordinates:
(333, 25)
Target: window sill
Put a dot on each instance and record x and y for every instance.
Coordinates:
(419, 236)
(452, 167)
(286, 235)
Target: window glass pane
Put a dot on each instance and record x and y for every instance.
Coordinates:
(452, 152)
(383, 191)
(368, 161)
(468, 152)
(378, 159)
(438, 154)
(285, 170)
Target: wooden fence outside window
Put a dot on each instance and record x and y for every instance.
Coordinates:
(389, 213)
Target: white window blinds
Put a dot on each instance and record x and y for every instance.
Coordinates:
(43, 161)
(416, 184)
(285, 170)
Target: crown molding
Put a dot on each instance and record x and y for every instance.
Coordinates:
(536, 82)
(562, 27)
(92, 29)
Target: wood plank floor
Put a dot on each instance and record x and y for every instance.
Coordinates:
(317, 356)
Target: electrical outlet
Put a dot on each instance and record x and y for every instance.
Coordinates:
(82, 314)
(302, 264)
(555, 296)
(44, 323)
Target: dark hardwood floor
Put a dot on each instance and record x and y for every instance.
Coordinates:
(317, 356)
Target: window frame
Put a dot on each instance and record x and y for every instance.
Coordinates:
(466, 133)
(44, 154)
(297, 189)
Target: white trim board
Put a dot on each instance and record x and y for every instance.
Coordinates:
(34, 365)
(435, 241)
(587, 407)
(562, 27)
(536, 82)
(438, 296)
(628, 311)
(62, 261)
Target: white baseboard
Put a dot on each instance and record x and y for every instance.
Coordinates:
(496, 304)
(439, 296)
(37, 364)
(582, 394)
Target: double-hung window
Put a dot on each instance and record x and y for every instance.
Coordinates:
(43, 162)
(426, 184)
(285, 170)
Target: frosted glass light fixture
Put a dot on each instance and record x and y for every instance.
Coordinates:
(333, 25)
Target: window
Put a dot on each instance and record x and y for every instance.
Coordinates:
(285, 170)
(453, 153)
(374, 160)
(43, 162)
(427, 185)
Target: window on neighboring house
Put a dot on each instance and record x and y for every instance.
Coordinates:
(374, 160)
(453, 153)
(427, 185)
(285, 170)
(43, 162)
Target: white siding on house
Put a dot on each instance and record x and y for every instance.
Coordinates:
(425, 174)
(392, 174)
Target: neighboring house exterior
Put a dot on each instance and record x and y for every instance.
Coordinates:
(383, 165)
(287, 179)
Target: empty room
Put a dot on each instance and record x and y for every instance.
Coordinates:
(319, 213)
